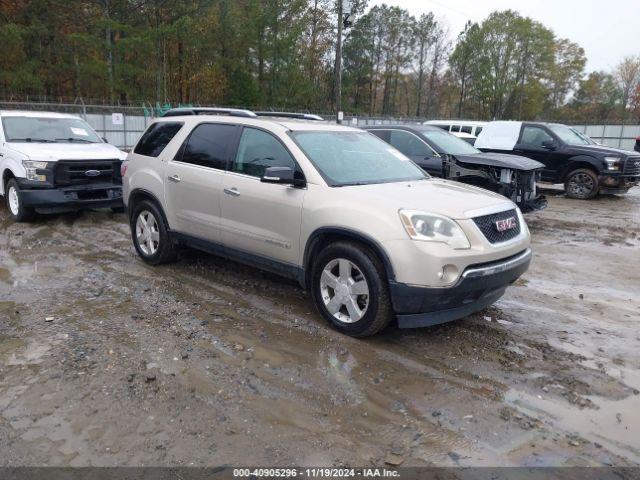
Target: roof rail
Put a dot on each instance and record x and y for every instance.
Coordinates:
(232, 112)
(300, 116)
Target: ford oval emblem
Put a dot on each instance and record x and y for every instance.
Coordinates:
(92, 173)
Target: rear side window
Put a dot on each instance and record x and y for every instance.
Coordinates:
(455, 128)
(466, 129)
(478, 131)
(208, 145)
(156, 138)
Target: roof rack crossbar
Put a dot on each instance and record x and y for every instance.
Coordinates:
(300, 116)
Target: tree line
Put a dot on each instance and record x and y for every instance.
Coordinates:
(281, 53)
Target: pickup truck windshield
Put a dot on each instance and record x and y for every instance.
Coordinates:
(444, 142)
(568, 135)
(48, 130)
(354, 158)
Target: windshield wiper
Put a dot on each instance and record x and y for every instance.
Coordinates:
(39, 140)
(73, 140)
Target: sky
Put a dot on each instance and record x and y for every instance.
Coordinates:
(608, 30)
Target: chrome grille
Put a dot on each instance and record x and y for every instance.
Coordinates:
(632, 166)
(488, 227)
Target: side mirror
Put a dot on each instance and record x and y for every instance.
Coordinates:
(282, 176)
(549, 145)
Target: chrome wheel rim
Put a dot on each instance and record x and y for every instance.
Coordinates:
(14, 201)
(581, 185)
(147, 233)
(344, 290)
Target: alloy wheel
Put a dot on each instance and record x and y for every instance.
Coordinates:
(581, 184)
(344, 290)
(147, 233)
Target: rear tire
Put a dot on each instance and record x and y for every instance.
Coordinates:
(15, 204)
(150, 234)
(350, 290)
(581, 184)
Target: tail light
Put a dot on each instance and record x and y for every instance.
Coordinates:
(123, 168)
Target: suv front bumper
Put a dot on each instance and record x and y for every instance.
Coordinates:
(65, 199)
(478, 287)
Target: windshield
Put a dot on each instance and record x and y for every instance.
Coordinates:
(586, 138)
(568, 135)
(356, 158)
(448, 144)
(47, 129)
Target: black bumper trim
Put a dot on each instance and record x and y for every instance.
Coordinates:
(478, 287)
(56, 200)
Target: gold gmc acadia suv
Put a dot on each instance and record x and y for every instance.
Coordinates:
(335, 208)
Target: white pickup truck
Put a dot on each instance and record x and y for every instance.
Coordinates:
(54, 162)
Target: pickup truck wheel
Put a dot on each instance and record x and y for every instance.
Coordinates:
(350, 290)
(582, 184)
(18, 211)
(150, 235)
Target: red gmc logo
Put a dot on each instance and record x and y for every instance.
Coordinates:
(506, 224)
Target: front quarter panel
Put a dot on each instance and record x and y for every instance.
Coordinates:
(11, 161)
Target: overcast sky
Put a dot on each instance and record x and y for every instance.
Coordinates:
(608, 30)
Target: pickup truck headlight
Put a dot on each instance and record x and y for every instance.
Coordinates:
(613, 163)
(31, 166)
(430, 227)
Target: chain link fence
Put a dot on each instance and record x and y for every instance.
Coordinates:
(122, 126)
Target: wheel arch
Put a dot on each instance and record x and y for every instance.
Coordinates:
(326, 235)
(7, 175)
(582, 161)
(139, 194)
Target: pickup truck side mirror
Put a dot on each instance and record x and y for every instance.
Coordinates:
(549, 145)
(282, 176)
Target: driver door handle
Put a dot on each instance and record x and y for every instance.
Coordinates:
(232, 191)
(174, 178)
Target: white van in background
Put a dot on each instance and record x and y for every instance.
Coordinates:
(458, 127)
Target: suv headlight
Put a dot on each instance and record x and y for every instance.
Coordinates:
(613, 163)
(430, 227)
(31, 166)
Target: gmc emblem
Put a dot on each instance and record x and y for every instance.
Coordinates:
(506, 224)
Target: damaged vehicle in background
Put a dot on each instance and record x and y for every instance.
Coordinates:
(53, 163)
(444, 155)
(584, 167)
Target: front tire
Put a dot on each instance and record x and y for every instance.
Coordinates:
(581, 184)
(150, 234)
(15, 204)
(350, 290)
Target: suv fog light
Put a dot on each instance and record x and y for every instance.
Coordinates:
(448, 274)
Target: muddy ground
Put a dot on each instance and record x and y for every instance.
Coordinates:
(106, 361)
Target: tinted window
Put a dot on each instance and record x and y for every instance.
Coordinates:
(409, 144)
(478, 130)
(157, 137)
(466, 129)
(535, 137)
(382, 134)
(444, 127)
(455, 128)
(208, 145)
(259, 150)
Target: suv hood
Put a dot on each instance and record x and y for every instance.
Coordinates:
(601, 150)
(52, 152)
(443, 197)
(500, 160)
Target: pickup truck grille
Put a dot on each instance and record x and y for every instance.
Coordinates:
(488, 226)
(86, 172)
(632, 166)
